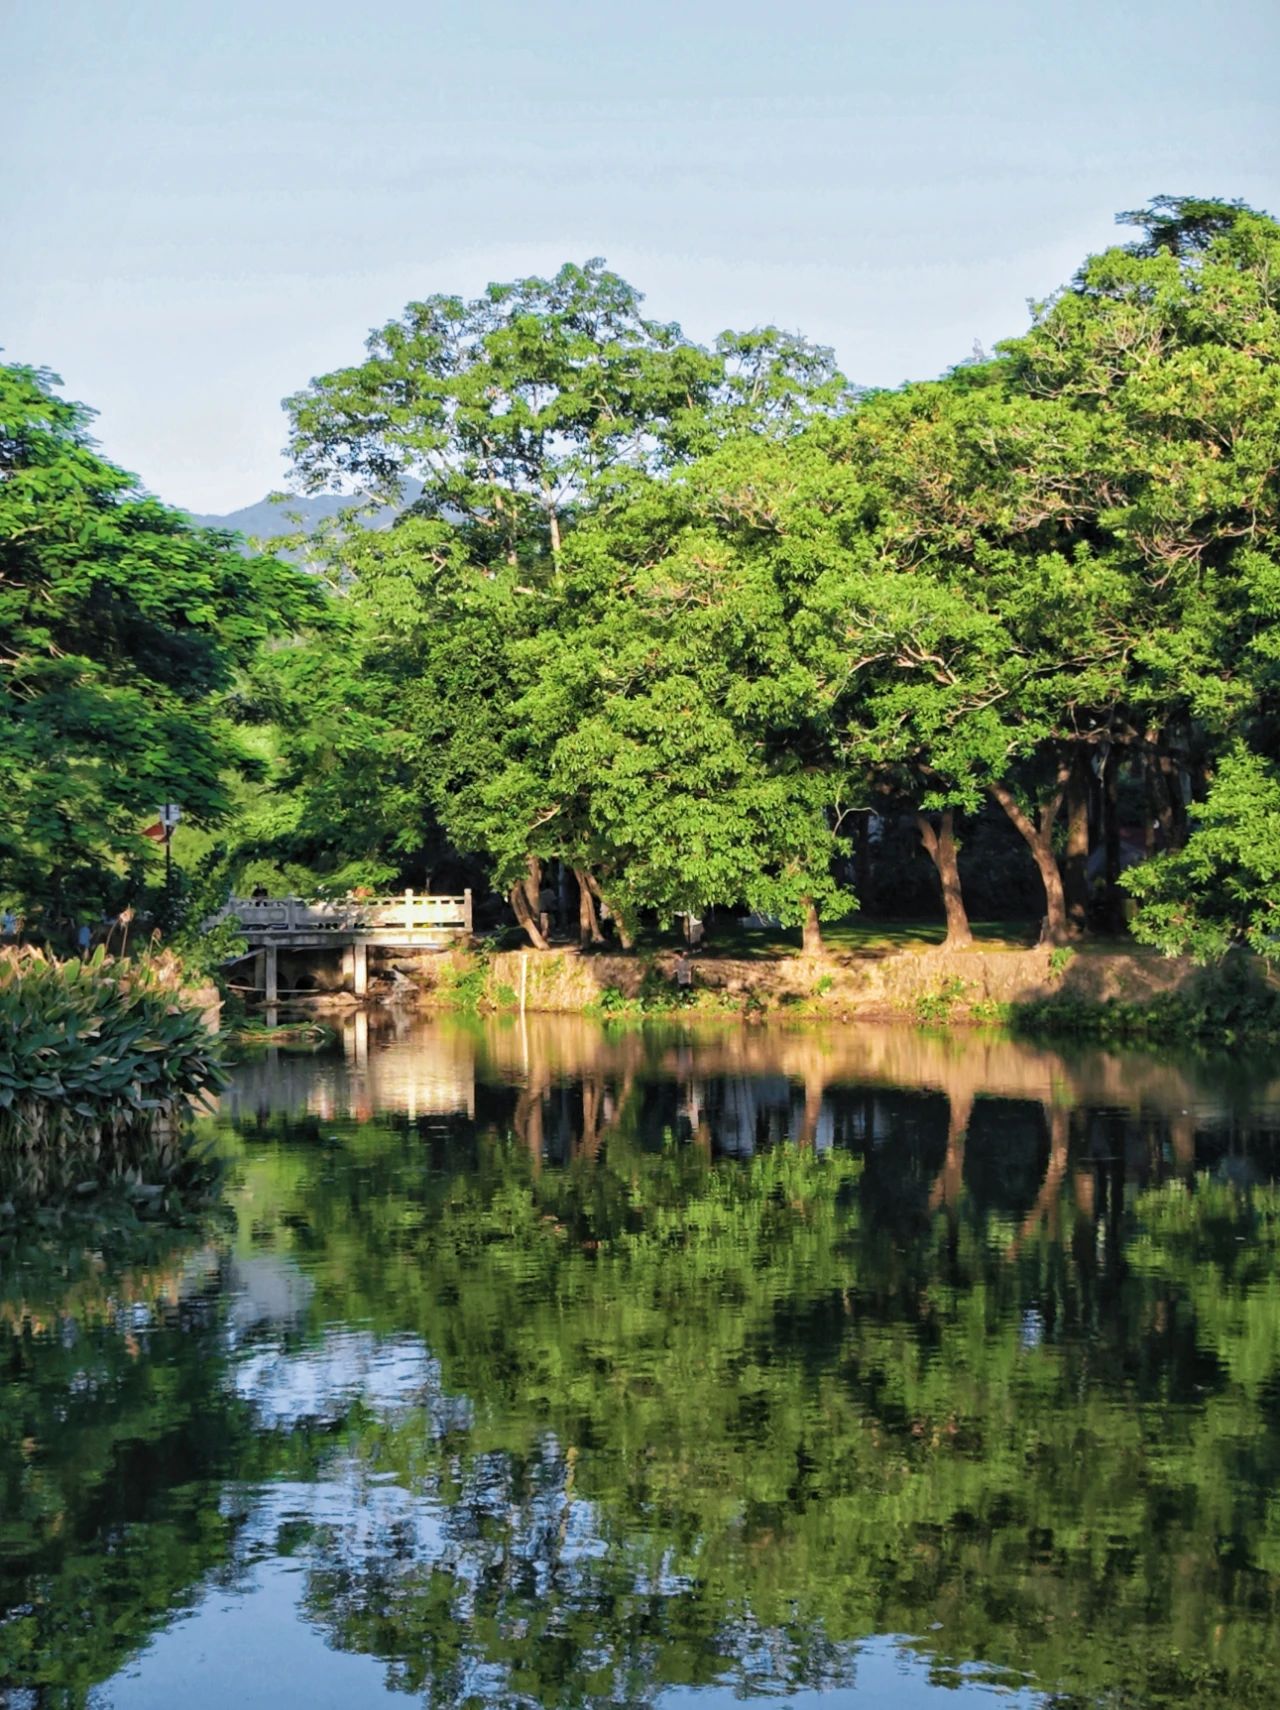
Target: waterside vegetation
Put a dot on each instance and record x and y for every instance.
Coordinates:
(102, 1065)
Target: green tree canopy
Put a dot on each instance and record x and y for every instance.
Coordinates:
(121, 628)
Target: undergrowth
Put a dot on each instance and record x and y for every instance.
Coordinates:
(1223, 1005)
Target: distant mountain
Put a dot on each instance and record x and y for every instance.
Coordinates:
(270, 518)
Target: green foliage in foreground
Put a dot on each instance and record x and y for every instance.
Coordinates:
(101, 1065)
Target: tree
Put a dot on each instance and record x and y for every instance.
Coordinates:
(1072, 543)
(510, 408)
(121, 628)
(539, 408)
(1223, 887)
(1168, 351)
(683, 733)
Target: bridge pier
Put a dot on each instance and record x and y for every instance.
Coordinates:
(266, 974)
(355, 967)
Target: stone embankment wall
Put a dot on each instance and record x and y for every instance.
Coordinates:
(919, 983)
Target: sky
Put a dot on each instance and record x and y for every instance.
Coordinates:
(205, 204)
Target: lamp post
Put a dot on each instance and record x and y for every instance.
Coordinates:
(170, 814)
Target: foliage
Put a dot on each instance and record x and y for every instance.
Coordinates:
(1230, 1001)
(680, 618)
(540, 408)
(670, 616)
(462, 987)
(937, 1005)
(1223, 887)
(101, 1064)
(123, 627)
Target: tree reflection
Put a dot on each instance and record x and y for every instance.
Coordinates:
(666, 1397)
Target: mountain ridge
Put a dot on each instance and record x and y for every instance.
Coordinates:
(271, 517)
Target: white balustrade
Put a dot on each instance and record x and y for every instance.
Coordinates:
(405, 915)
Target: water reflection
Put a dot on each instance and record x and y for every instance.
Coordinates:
(545, 1365)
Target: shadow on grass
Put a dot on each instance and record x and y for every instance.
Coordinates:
(850, 939)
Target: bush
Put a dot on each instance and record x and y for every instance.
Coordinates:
(101, 1064)
(463, 987)
(1228, 1003)
(936, 1006)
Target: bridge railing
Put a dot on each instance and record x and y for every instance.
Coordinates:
(407, 912)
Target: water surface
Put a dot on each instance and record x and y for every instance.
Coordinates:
(542, 1364)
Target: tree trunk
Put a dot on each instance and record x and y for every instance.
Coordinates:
(1153, 790)
(812, 942)
(948, 1184)
(592, 1101)
(1075, 866)
(625, 936)
(862, 875)
(814, 1087)
(526, 896)
(528, 1122)
(940, 846)
(1111, 835)
(1045, 1209)
(1038, 837)
(1172, 811)
(588, 921)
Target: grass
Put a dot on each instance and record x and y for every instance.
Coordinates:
(305, 1035)
(850, 938)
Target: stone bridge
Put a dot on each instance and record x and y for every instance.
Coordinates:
(407, 921)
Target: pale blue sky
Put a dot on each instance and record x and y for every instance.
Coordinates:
(204, 204)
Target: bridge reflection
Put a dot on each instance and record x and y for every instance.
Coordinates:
(1053, 1127)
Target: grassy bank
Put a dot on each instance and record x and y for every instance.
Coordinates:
(1232, 1002)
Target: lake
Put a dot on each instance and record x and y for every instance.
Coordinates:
(549, 1364)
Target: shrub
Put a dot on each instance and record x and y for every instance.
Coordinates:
(101, 1064)
(463, 986)
(936, 1006)
(1229, 1002)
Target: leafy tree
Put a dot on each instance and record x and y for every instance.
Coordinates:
(121, 629)
(679, 731)
(1168, 351)
(509, 408)
(1223, 887)
(541, 405)
(668, 615)
(1072, 544)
